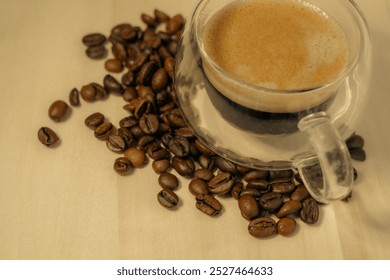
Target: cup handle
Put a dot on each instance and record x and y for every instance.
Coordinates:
(327, 172)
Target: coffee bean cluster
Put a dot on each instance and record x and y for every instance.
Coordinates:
(153, 129)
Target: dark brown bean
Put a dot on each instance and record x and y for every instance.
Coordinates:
(169, 66)
(256, 175)
(221, 183)
(355, 141)
(184, 166)
(157, 152)
(47, 136)
(203, 148)
(94, 120)
(179, 146)
(225, 165)
(74, 98)
(271, 201)
(159, 80)
(300, 193)
(58, 110)
(112, 85)
(113, 65)
(122, 165)
(149, 123)
(88, 93)
(96, 52)
(208, 204)
(146, 73)
(161, 166)
(262, 227)
(168, 180)
(136, 156)
(198, 187)
(161, 16)
(310, 211)
(286, 226)
(94, 39)
(116, 143)
(289, 207)
(248, 207)
(204, 174)
(103, 131)
(167, 198)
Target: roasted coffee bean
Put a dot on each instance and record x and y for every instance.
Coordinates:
(94, 39)
(236, 190)
(286, 226)
(122, 165)
(206, 162)
(186, 132)
(112, 85)
(262, 227)
(289, 207)
(175, 24)
(116, 143)
(137, 131)
(94, 120)
(225, 165)
(156, 151)
(119, 51)
(167, 198)
(252, 192)
(74, 98)
(184, 166)
(300, 193)
(258, 184)
(126, 135)
(271, 201)
(169, 66)
(168, 180)
(175, 118)
(256, 175)
(204, 174)
(146, 72)
(283, 187)
(140, 61)
(148, 20)
(128, 79)
(221, 183)
(355, 141)
(96, 52)
(129, 93)
(58, 110)
(128, 122)
(159, 80)
(145, 141)
(248, 207)
(179, 146)
(47, 136)
(136, 156)
(149, 123)
(161, 166)
(198, 187)
(113, 65)
(161, 16)
(275, 174)
(88, 93)
(142, 107)
(208, 204)
(203, 148)
(101, 92)
(103, 131)
(310, 211)
(358, 154)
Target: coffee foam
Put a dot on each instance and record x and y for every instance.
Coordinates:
(274, 44)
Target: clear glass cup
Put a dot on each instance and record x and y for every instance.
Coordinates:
(309, 136)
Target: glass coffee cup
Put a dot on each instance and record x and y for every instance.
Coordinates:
(289, 120)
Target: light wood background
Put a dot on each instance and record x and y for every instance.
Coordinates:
(68, 203)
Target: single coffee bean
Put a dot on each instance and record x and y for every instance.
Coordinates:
(355, 141)
(103, 131)
(94, 39)
(169, 66)
(137, 132)
(119, 51)
(198, 187)
(225, 165)
(256, 175)
(122, 165)
(286, 226)
(128, 79)
(148, 20)
(145, 141)
(258, 184)
(112, 85)
(113, 65)
(262, 227)
(252, 192)
(236, 190)
(283, 187)
(184, 166)
(136, 156)
(289, 207)
(140, 61)
(129, 93)
(94, 120)
(161, 16)
(310, 211)
(206, 162)
(243, 169)
(357, 154)
(47, 136)
(274, 174)
(96, 52)
(300, 193)
(58, 110)
(88, 93)
(116, 143)
(126, 135)
(271, 201)
(149, 123)
(208, 204)
(179, 146)
(74, 98)
(146, 73)
(175, 24)
(159, 80)
(128, 122)
(221, 183)
(101, 92)
(161, 166)
(156, 151)
(175, 118)
(168, 180)
(186, 132)
(142, 107)
(203, 148)
(167, 198)
(204, 174)
(248, 207)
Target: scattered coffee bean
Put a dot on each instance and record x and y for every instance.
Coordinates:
(74, 98)
(198, 187)
(113, 65)
(262, 227)
(94, 39)
(47, 136)
(221, 183)
(300, 193)
(103, 131)
(122, 165)
(248, 207)
(58, 110)
(289, 207)
(167, 198)
(271, 201)
(208, 204)
(310, 211)
(136, 156)
(161, 166)
(204, 174)
(168, 180)
(286, 226)
(116, 143)
(94, 120)
(96, 52)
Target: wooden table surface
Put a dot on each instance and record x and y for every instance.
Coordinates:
(68, 203)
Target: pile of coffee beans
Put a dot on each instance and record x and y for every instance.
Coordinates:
(153, 129)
